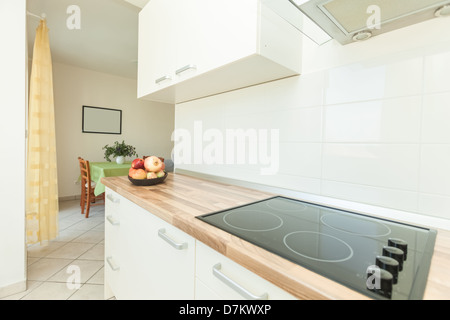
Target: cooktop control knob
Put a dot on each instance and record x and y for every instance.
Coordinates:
(389, 264)
(399, 243)
(394, 253)
(383, 285)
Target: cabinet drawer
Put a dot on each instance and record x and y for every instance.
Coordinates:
(229, 280)
(157, 260)
(112, 273)
(112, 224)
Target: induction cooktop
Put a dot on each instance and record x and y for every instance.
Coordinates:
(377, 257)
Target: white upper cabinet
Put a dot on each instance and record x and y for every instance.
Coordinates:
(190, 49)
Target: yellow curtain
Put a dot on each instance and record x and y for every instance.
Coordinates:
(42, 185)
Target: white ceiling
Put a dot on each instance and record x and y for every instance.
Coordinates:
(107, 40)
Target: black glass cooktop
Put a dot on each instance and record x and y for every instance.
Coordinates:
(380, 258)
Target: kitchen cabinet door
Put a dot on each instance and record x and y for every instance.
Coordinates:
(215, 46)
(187, 26)
(226, 31)
(157, 259)
(218, 277)
(156, 54)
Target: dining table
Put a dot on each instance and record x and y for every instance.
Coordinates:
(100, 170)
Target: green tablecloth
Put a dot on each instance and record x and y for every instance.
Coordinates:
(107, 169)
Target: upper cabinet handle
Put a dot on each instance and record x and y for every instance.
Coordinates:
(235, 286)
(162, 79)
(178, 246)
(185, 68)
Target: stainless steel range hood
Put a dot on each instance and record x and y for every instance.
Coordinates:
(354, 20)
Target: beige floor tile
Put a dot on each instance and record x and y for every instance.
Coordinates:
(98, 278)
(70, 221)
(31, 260)
(100, 227)
(71, 250)
(31, 285)
(50, 291)
(45, 268)
(68, 234)
(91, 236)
(78, 271)
(52, 270)
(89, 292)
(69, 206)
(38, 251)
(97, 252)
(86, 224)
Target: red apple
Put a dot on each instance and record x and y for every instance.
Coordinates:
(151, 175)
(139, 174)
(153, 164)
(138, 163)
(163, 166)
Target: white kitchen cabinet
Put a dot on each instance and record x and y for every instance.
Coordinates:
(148, 258)
(156, 259)
(190, 49)
(112, 242)
(218, 277)
(156, 44)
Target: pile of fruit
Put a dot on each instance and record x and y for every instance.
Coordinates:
(150, 168)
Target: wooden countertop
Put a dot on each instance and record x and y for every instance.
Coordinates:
(181, 198)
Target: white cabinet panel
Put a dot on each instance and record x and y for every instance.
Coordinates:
(112, 240)
(158, 19)
(157, 259)
(229, 280)
(145, 257)
(196, 48)
(148, 258)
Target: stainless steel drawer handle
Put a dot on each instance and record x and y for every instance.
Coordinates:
(235, 286)
(185, 68)
(112, 264)
(179, 246)
(113, 221)
(112, 198)
(162, 79)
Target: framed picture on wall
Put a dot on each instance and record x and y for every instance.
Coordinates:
(101, 120)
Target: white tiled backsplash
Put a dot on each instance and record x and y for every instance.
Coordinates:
(373, 132)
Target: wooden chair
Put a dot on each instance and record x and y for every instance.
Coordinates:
(88, 198)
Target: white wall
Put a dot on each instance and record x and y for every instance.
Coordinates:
(12, 135)
(146, 125)
(367, 123)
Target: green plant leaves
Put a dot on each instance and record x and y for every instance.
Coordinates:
(119, 149)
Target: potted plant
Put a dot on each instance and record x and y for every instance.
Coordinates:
(119, 151)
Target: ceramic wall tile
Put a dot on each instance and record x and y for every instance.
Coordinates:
(435, 119)
(391, 198)
(435, 169)
(382, 165)
(434, 205)
(300, 125)
(291, 182)
(300, 159)
(437, 72)
(293, 125)
(374, 131)
(374, 80)
(378, 121)
(306, 90)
